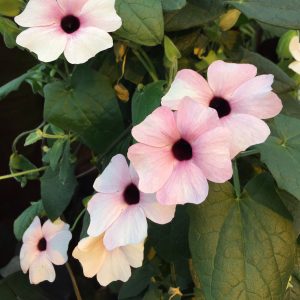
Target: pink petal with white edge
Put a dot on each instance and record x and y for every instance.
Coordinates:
(134, 254)
(91, 254)
(246, 131)
(34, 232)
(41, 270)
(211, 154)
(104, 209)
(295, 66)
(38, 39)
(39, 13)
(187, 83)
(28, 254)
(295, 47)
(101, 14)
(129, 228)
(115, 177)
(156, 212)
(158, 129)
(255, 97)
(50, 229)
(86, 43)
(154, 166)
(72, 7)
(57, 247)
(186, 185)
(194, 119)
(224, 78)
(115, 267)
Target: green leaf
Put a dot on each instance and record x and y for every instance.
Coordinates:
(195, 13)
(283, 47)
(32, 138)
(25, 219)
(145, 100)
(142, 21)
(275, 12)
(54, 154)
(88, 107)
(282, 81)
(281, 153)
(9, 30)
(169, 5)
(171, 51)
(153, 293)
(10, 8)
(242, 248)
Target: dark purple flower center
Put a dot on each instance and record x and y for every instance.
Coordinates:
(70, 24)
(182, 150)
(42, 244)
(131, 194)
(221, 105)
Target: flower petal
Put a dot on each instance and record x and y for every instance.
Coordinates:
(224, 78)
(115, 177)
(158, 129)
(50, 229)
(57, 247)
(134, 254)
(255, 97)
(160, 214)
(41, 269)
(187, 83)
(37, 40)
(39, 13)
(211, 154)
(104, 209)
(28, 254)
(246, 131)
(86, 43)
(72, 7)
(101, 14)
(91, 254)
(154, 166)
(187, 184)
(34, 232)
(194, 119)
(295, 47)
(295, 66)
(129, 228)
(115, 267)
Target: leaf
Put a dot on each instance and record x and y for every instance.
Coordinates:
(25, 219)
(32, 138)
(169, 5)
(9, 30)
(145, 100)
(275, 12)
(282, 81)
(54, 154)
(142, 21)
(242, 248)
(195, 13)
(10, 8)
(281, 153)
(171, 51)
(89, 108)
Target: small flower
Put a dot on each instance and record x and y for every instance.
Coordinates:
(120, 208)
(295, 51)
(178, 152)
(42, 247)
(108, 265)
(77, 28)
(240, 97)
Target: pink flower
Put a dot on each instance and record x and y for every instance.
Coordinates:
(178, 152)
(119, 209)
(108, 265)
(240, 97)
(77, 28)
(42, 247)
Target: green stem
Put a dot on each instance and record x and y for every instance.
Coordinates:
(74, 283)
(52, 136)
(236, 179)
(248, 153)
(78, 219)
(13, 175)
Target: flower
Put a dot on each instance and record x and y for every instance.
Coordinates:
(42, 247)
(178, 152)
(294, 47)
(120, 209)
(240, 97)
(108, 265)
(77, 28)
